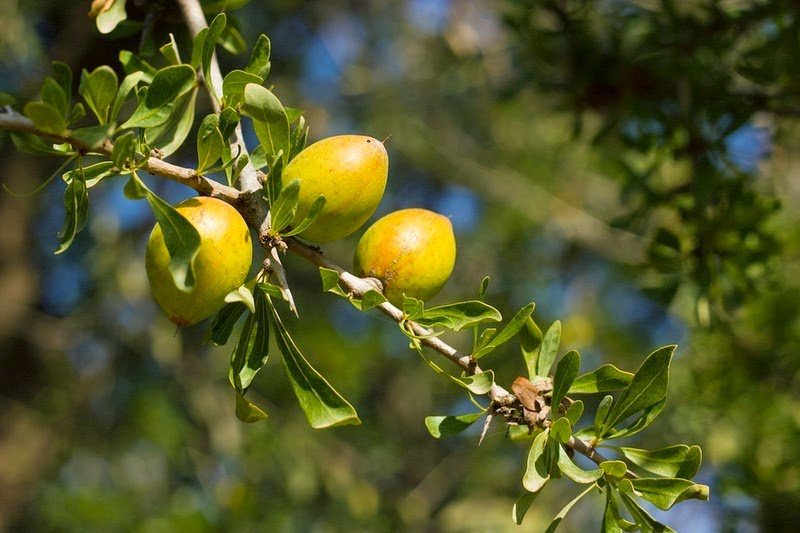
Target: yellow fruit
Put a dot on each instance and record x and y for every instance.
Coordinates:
(221, 265)
(350, 171)
(412, 251)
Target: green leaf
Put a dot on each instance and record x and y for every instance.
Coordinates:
(6, 99)
(412, 307)
(299, 137)
(232, 40)
(613, 522)
(170, 135)
(679, 461)
(243, 295)
(209, 44)
(446, 426)
(98, 90)
(322, 405)
(45, 117)
(33, 144)
(131, 64)
(170, 51)
(459, 315)
(124, 152)
(285, 206)
(615, 469)
(574, 412)
(480, 383)
(604, 379)
(549, 349)
(530, 343)
(573, 471)
(511, 330)
(271, 290)
(522, 505)
(128, 84)
(223, 323)
(640, 423)
(485, 338)
(370, 299)
(169, 84)
(270, 122)
(566, 370)
(259, 60)
(602, 411)
(330, 281)
(252, 350)
(313, 213)
(482, 289)
(180, 236)
(566, 509)
(643, 518)
(248, 412)
(107, 20)
(76, 113)
(561, 430)
(228, 120)
(209, 142)
(92, 136)
(538, 469)
(51, 93)
(76, 203)
(234, 83)
(648, 387)
(62, 73)
(92, 174)
(664, 492)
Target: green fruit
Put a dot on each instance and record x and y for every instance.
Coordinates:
(221, 265)
(350, 171)
(412, 252)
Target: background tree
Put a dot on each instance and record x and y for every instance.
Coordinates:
(480, 95)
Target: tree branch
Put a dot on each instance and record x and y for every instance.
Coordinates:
(12, 121)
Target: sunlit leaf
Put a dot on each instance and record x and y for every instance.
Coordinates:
(459, 315)
(509, 332)
(680, 461)
(604, 379)
(664, 492)
(446, 426)
(549, 349)
(269, 119)
(565, 373)
(98, 89)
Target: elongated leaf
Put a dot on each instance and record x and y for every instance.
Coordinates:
(169, 84)
(128, 84)
(270, 122)
(252, 350)
(215, 30)
(98, 89)
(131, 63)
(566, 370)
(92, 174)
(574, 472)
(648, 387)
(234, 83)
(169, 136)
(538, 470)
(33, 144)
(530, 343)
(509, 332)
(561, 430)
(259, 64)
(92, 136)
(232, 40)
(604, 379)
(522, 505)
(62, 73)
(664, 492)
(370, 299)
(459, 315)
(51, 93)
(285, 206)
(209, 142)
(549, 349)
(446, 426)
(566, 509)
(574, 412)
(170, 51)
(322, 405)
(615, 469)
(643, 518)
(224, 321)
(45, 117)
(602, 411)
(124, 152)
(248, 412)
(679, 461)
(76, 204)
(243, 295)
(613, 522)
(313, 212)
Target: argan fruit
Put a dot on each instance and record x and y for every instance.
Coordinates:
(221, 265)
(350, 171)
(412, 252)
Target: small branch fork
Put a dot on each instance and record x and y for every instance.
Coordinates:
(249, 202)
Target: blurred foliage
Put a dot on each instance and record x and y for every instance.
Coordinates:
(583, 150)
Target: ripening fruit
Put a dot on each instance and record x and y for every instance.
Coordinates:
(221, 265)
(350, 171)
(412, 251)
